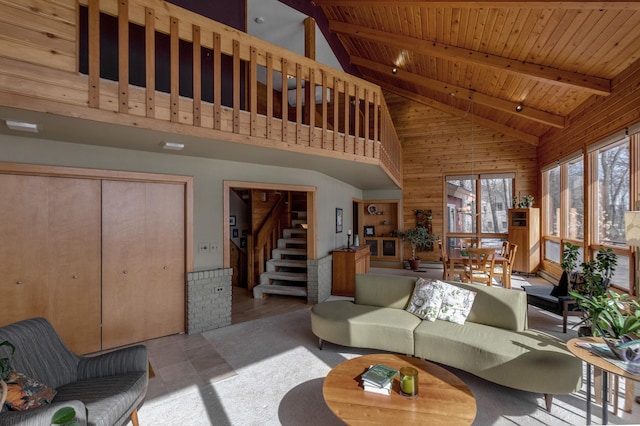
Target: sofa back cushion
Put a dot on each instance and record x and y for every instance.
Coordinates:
(388, 291)
(40, 353)
(497, 307)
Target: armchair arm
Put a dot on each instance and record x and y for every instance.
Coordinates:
(120, 361)
(42, 416)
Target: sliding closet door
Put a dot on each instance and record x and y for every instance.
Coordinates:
(23, 247)
(50, 251)
(142, 261)
(74, 262)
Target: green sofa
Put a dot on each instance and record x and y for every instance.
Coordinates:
(494, 343)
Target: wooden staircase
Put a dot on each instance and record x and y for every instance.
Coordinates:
(286, 271)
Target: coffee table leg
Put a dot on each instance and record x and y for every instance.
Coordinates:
(588, 393)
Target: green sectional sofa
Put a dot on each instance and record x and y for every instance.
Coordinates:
(494, 342)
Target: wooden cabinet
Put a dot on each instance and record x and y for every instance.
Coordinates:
(346, 264)
(384, 248)
(524, 230)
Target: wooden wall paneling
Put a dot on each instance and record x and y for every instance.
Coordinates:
(74, 261)
(24, 216)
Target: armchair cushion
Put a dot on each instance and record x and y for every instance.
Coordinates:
(24, 392)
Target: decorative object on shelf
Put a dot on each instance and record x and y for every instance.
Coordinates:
(522, 202)
(348, 239)
(369, 231)
(372, 209)
(338, 220)
(356, 240)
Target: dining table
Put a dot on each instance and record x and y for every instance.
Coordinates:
(458, 256)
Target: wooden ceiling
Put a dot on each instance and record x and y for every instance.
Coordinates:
(483, 59)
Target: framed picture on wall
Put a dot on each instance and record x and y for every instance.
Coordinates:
(232, 221)
(338, 220)
(369, 231)
(243, 242)
(235, 233)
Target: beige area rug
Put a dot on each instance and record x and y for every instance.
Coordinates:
(279, 378)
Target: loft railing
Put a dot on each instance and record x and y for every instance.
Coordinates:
(269, 86)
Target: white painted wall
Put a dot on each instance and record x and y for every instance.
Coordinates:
(208, 184)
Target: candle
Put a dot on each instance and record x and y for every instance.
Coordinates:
(349, 232)
(408, 381)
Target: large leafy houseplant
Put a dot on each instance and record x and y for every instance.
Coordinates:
(610, 314)
(5, 369)
(418, 237)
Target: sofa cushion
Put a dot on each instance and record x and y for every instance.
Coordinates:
(387, 291)
(426, 299)
(24, 392)
(528, 360)
(344, 323)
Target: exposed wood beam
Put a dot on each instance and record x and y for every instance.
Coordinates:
(596, 85)
(551, 4)
(479, 98)
(525, 137)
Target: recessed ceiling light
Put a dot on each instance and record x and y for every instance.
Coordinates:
(22, 126)
(175, 146)
(394, 70)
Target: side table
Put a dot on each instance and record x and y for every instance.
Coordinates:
(598, 362)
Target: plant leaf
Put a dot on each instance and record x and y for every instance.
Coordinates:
(63, 416)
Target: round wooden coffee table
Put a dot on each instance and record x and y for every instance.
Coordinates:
(443, 398)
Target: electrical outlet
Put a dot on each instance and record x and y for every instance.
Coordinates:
(203, 247)
(213, 246)
(219, 289)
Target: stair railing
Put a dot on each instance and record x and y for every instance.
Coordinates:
(266, 240)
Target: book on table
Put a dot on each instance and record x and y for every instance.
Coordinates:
(379, 375)
(385, 390)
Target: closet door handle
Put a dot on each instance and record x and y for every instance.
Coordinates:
(125, 272)
(75, 276)
(18, 282)
(165, 267)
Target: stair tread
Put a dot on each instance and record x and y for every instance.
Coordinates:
(282, 289)
(289, 276)
(288, 262)
(288, 250)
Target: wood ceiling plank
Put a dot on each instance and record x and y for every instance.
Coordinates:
(596, 85)
(567, 4)
(525, 137)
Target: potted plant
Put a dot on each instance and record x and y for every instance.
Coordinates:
(569, 264)
(419, 238)
(611, 314)
(5, 369)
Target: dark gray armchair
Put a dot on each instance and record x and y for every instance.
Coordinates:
(104, 390)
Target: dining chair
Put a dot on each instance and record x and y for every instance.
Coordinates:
(469, 242)
(449, 273)
(480, 264)
(504, 250)
(498, 270)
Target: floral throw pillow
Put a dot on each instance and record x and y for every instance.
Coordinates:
(426, 299)
(456, 303)
(24, 393)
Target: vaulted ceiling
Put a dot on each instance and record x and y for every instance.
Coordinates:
(519, 68)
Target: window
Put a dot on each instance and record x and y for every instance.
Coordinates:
(478, 202)
(575, 192)
(553, 202)
(612, 193)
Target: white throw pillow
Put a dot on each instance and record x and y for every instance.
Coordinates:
(426, 299)
(456, 303)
